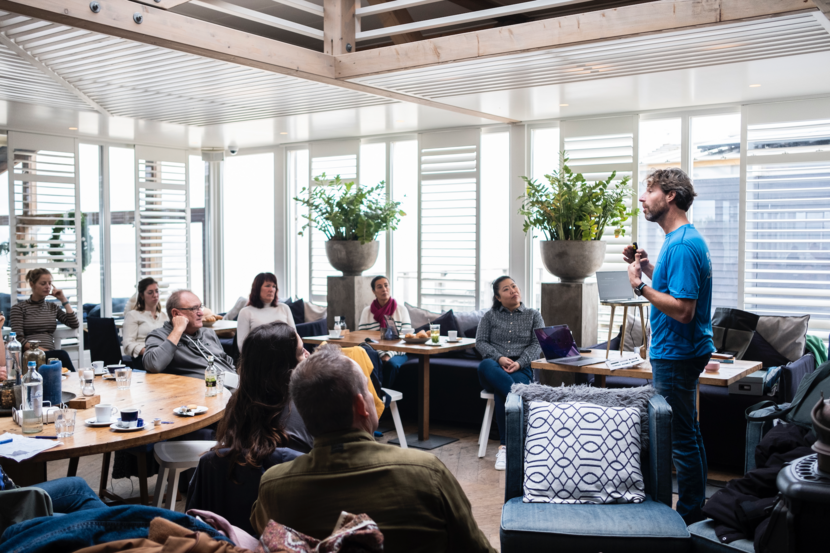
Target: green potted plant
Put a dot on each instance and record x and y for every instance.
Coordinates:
(572, 213)
(350, 216)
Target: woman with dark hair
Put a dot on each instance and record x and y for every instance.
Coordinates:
(142, 320)
(263, 308)
(37, 319)
(260, 416)
(506, 341)
(374, 318)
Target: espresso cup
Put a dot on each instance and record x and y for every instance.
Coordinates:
(98, 367)
(334, 333)
(452, 335)
(129, 418)
(104, 412)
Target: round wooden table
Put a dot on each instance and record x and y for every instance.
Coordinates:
(155, 394)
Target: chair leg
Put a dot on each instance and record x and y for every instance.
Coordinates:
(396, 417)
(142, 478)
(172, 488)
(484, 435)
(158, 495)
(105, 474)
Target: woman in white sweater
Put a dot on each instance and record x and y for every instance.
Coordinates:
(142, 320)
(263, 308)
(373, 318)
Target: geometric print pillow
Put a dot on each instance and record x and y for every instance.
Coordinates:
(582, 453)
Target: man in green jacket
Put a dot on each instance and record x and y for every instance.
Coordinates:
(414, 499)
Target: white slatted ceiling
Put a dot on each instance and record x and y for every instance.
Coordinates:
(44, 191)
(449, 175)
(344, 165)
(596, 148)
(788, 221)
(132, 79)
(163, 221)
(729, 43)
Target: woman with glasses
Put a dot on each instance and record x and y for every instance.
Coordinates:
(141, 321)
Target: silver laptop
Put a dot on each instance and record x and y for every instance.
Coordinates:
(614, 287)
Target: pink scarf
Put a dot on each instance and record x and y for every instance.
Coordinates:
(378, 312)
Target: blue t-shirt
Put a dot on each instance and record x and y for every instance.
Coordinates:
(684, 271)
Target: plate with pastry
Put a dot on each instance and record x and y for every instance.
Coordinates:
(190, 410)
(420, 338)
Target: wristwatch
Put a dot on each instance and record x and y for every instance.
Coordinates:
(639, 290)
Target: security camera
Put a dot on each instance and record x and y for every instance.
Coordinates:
(233, 150)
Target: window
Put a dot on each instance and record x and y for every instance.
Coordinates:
(5, 259)
(197, 224)
(297, 179)
(660, 148)
(372, 172)
(90, 175)
(122, 171)
(494, 227)
(404, 159)
(787, 268)
(248, 223)
(544, 158)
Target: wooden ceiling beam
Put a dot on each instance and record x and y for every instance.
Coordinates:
(397, 17)
(634, 20)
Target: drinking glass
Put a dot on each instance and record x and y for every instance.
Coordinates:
(65, 423)
(123, 377)
(435, 333)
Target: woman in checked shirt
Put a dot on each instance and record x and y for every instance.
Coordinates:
(506, 340)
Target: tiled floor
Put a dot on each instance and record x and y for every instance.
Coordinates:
(483, 485)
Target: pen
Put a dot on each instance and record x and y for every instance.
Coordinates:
(45, 437)
(10, 440)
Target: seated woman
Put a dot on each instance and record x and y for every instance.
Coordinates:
(372, 318)
(260, 416)
(263, 308)
(506, 341)
(35, 318)
(142, 320)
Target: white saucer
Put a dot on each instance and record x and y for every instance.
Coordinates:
(114, 426)
(94, 423)
(454, 341)
(336, 338)
(198, 411)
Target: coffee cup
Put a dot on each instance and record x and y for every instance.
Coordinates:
(334, 333)
(97, 367)
(104, 412)
(129, 418)
(452, 335)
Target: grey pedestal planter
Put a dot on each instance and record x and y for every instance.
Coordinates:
(351, 257)
(572, 260)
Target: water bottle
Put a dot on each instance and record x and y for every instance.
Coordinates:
(13, 351)
(32, 401)
(211, 379)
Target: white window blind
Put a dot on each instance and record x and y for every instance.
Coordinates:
(448, 174)
(45, 216)
(335, 158)
(596, 148)
(787, 263)
(162, 218)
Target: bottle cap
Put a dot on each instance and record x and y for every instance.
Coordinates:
(32, 363)
(12, 334)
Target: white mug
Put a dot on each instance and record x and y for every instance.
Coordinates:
(407, 329)
(334, 333)
(104, 412)
(98, 367)
(452, 335)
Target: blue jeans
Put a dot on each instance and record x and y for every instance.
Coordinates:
(677, 382)
(91, 527)
(496, 380)
(391, 368)
(70, 495)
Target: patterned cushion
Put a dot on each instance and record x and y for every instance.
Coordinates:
(582, 453)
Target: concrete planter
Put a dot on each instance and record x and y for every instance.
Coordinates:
(351, 257)
(572, 260)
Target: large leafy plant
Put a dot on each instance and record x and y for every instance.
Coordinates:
(348, 211)
(567, 207)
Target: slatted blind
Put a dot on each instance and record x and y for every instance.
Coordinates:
(338, 158)
(787, 269)
(44, 193)
(449, 174)
(596, 148)
(162, 218)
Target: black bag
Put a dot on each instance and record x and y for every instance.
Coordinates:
(733, 330)
(806, 397)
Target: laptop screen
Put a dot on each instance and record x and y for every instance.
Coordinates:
(557, 342)
(614, 285)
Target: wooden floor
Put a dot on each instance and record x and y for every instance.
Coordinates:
(482, 483)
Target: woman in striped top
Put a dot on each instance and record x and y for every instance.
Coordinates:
(36, 319)
(372, 318)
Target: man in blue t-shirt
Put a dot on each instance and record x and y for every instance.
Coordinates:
(681, 323)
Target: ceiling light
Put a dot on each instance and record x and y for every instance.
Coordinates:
(563, 105)
(73, 128)
(283, 132)
(754, 86)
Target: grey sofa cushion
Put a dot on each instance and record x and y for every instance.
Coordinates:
(788, 335)
(420, 317)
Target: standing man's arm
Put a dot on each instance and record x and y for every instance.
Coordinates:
(681, 309)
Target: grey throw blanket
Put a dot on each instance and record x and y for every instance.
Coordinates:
(635, 398)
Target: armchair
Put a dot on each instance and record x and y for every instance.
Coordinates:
(637, 527)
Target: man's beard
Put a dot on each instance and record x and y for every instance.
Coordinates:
(656, 213)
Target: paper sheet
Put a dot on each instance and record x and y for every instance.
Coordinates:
(23, 448)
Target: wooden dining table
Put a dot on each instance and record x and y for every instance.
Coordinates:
(156, 395)
(422, 352)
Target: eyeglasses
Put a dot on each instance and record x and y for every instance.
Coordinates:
(197, 308)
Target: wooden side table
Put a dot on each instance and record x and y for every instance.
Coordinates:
(625, 306)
